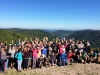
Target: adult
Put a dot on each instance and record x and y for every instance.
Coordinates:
(3, 59)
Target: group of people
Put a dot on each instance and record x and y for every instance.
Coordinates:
(45, 53)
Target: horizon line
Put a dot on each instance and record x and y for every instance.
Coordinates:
(47, 28)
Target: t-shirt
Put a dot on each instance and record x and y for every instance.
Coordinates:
(53, 57)
(84, 55)
(44, 51)
(55, 50)
(70, 55)
(91, 55)
(34, 53)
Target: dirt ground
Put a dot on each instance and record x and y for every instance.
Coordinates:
(75, 69)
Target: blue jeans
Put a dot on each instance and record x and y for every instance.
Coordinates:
(6, 64)
(19, 64)
(62, 62)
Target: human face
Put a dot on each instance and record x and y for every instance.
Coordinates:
(2, 49)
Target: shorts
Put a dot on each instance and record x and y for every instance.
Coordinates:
(44, 55)
(29, 59)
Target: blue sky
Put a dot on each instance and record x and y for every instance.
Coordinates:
(50, 14)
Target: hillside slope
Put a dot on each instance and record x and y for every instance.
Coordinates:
(93, 36)
(62, 33)
(8, 36)
(38, 33)
(16, 33)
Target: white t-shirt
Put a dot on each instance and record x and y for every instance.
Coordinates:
(12, 52)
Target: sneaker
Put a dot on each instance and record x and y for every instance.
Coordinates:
(55, 64)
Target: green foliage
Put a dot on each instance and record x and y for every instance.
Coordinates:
(38, 33)
(93, 36)
(8, 36)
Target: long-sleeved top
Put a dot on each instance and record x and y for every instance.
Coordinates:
(3, 56)
(12, 53)
(70, 55)
(26, 54)
(53, 57)
(19, 56)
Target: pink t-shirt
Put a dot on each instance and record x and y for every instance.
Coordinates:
(62, 49)
(35, 52)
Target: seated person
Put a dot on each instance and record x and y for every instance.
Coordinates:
(47, 61)
(40, 61)
(84, 57)
(92, 57)
(53, 59)
(70, 55)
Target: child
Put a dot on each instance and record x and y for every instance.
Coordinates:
(40, 61)
(47, 61)
(34, 54)
(19, 57)
(70, 55)
(92, 57)
(84, 57)
(53, 59)
(63, 58)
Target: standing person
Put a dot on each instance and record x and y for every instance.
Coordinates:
(26, 56)
(62, 48)
(7, 54)
(63, 59)
(30, 57)
(12, 51)
(88, 47)
(39, 53)
(34, 54)
(16, 58)
(45, 51)
(19, 57)
(3, 58)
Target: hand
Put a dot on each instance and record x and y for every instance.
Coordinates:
(30, 38)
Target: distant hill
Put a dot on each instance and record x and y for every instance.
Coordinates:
(62, 33)
(93, 36)
(38, 33)
(34, 33)
(16, 29)
(8, 36)
(57, 33)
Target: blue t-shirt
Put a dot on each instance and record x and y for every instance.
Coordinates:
(44, 51)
